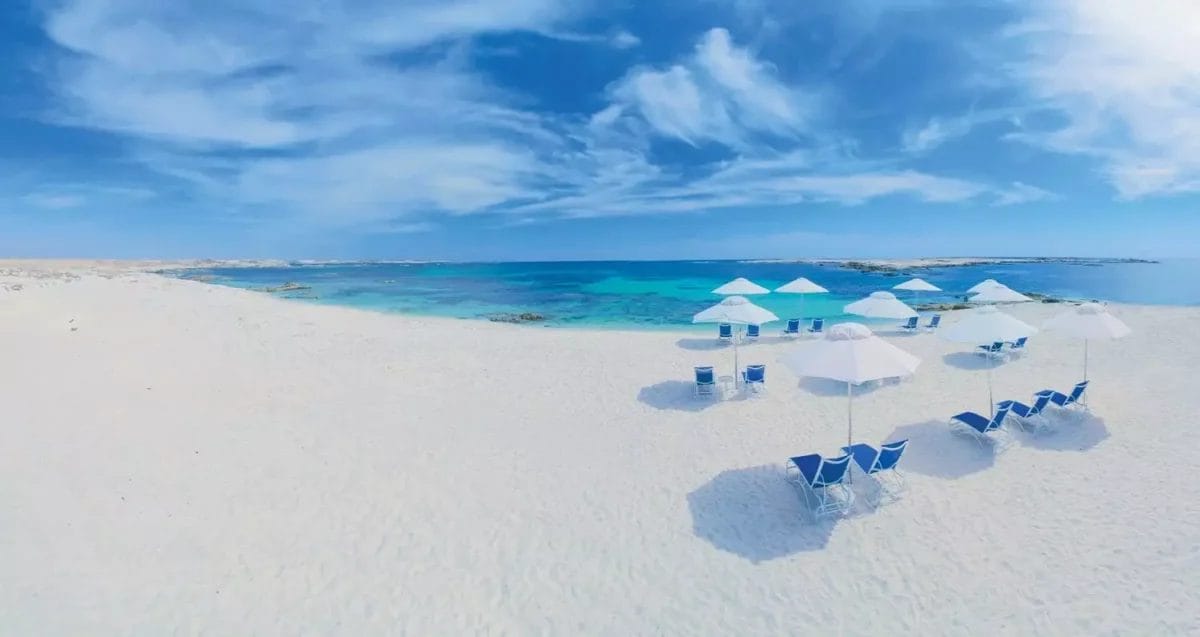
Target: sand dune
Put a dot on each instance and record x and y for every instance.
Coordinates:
(183, 458)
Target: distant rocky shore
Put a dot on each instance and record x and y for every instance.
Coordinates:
(897, 267)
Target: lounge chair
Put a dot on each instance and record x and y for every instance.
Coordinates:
(1075, 399)
(1018, 345)
(934, 321)
(706, 382)
(793, 328)
(911, 324)
(995, 349)
(725, 332)
(1031, 416)
(817, 326)
(752, 332)
(755, 377)
(880, 464)
(978, 426)
(823, 482)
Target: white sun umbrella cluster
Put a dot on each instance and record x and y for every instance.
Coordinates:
(985, 325)
(1089, 321)
(735, 310)
(852, 354)
(801, 286)
(880, 305)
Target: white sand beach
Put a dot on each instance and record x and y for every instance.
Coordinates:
(184, 458)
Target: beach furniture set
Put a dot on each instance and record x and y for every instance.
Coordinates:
(1001, 349)
(1032, 417)
(826, 483)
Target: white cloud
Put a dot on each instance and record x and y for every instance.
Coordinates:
(720, 93)
(1019, 193)
(1126, 75)
(54, 201)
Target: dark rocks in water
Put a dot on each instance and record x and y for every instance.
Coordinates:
(1044, 298)
(867, 267)
(940, 307)
(523, 317)
(290, 286)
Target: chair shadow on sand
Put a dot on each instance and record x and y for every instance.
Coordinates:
(757, 514)
(681, 395)
(935, 450)
(970, 360)
(1072, 431)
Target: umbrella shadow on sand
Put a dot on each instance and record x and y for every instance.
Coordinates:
(935, 450)
(1071, 431)
(757, 514)
(970, 360)
(681, 395)
(702, 344)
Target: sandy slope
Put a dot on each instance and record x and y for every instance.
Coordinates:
(195, 459)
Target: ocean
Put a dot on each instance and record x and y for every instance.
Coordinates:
(665, 294)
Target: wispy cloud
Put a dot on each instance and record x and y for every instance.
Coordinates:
(1125, 76)
(372, 114)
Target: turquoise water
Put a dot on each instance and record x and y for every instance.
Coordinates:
(655, 295)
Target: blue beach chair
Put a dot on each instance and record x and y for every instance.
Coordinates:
(752, 332)
(880, 464)
(934, 321)
(817, 326)
(1064, 401)
(706, 382)
(978, 426)
(995, 349)
(823, 481)
(911, 324)
(725, 332)
(755, 377)
(1018, 345)
(1029, 415)
(793, 327)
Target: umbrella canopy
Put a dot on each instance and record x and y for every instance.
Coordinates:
(741, 286)
(986, 325)
(880, 305)
(801, 286)
(999, 294)
(1088, 321)
(850, 353)
(917, 285)
(737, 310)
(983, 285)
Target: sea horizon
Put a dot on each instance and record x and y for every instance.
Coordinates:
(640, 294)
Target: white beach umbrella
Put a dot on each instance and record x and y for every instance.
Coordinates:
(801, 286)
(999, 294)
(917, 285)
(986, 325)
(740, 286)
(1088, 321)
(735, 310)
(880, 305)
(850, 353)
(983, 285)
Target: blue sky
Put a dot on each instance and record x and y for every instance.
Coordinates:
(539, 129)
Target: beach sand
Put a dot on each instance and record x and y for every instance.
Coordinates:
(183, 458)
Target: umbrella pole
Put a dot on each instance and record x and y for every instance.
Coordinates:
(849, 423)
(1085, 359)
(736, 338)
(991, 402)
